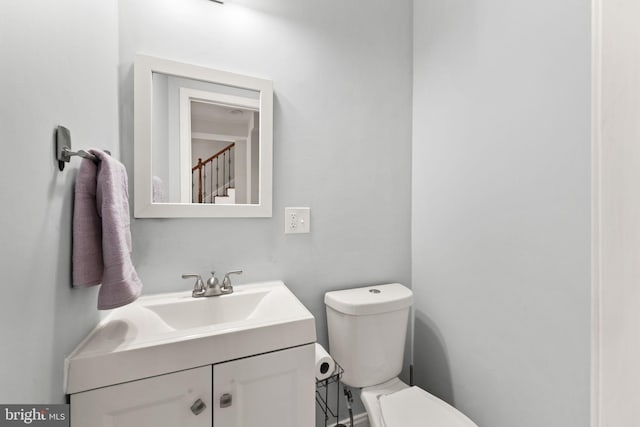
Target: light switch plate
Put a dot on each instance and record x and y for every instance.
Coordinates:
(297, 220)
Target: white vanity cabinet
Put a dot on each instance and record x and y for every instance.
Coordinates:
(160, 401)
(244, 359)
(272, 389)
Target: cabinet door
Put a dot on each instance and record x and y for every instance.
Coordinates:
(160, 401)
(271, 390)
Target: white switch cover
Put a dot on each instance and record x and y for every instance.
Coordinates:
(297, 220)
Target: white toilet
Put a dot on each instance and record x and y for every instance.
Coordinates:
(367, 330)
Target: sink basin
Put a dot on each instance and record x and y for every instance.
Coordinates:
(174, 331)
(189, 312)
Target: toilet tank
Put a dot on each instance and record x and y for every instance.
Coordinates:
(367, 330)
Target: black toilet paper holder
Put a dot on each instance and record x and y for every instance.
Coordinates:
(322, 395)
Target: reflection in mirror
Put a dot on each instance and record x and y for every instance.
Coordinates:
(203, 141)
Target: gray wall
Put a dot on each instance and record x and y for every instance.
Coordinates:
(59, 66)
(342, 83)
(342, 76)
(501, 202)
(342, 109)
(500, 184)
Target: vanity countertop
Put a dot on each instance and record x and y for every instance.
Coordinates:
(163, 333)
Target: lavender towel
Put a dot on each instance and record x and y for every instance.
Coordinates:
(101, 233)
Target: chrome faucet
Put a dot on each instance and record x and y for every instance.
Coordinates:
(226, 287)
(212, 287)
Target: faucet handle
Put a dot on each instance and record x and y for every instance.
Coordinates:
(198, 287)
(226, 282)
(192, 275)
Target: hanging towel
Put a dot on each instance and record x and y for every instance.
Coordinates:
(101, 233)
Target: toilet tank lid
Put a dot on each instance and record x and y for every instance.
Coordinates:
(370, 299)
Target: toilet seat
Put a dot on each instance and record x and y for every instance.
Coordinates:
(414, 407)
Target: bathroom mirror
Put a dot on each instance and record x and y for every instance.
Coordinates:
(203, 141)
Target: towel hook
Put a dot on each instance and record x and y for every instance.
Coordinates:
(63, 148)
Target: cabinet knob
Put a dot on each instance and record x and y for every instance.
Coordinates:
(198, 406)
(225, 400)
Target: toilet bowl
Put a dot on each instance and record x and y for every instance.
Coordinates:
(395, 404)
(367, 328)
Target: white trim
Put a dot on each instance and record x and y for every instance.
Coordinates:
(247, 166)
(186, 176)
(213, 137)
(596, 228)
(145, 66)
(221, 99)
(187, 95)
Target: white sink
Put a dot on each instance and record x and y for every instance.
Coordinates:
(171, 332)
(186, 312)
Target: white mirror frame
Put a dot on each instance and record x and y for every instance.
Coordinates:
(145, 66)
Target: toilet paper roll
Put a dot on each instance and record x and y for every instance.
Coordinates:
(324, 363)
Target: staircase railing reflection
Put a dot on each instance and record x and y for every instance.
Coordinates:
(207, 186)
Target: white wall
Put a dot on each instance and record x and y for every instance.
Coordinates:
(501, 208)
(58, 67)
(617, 210)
